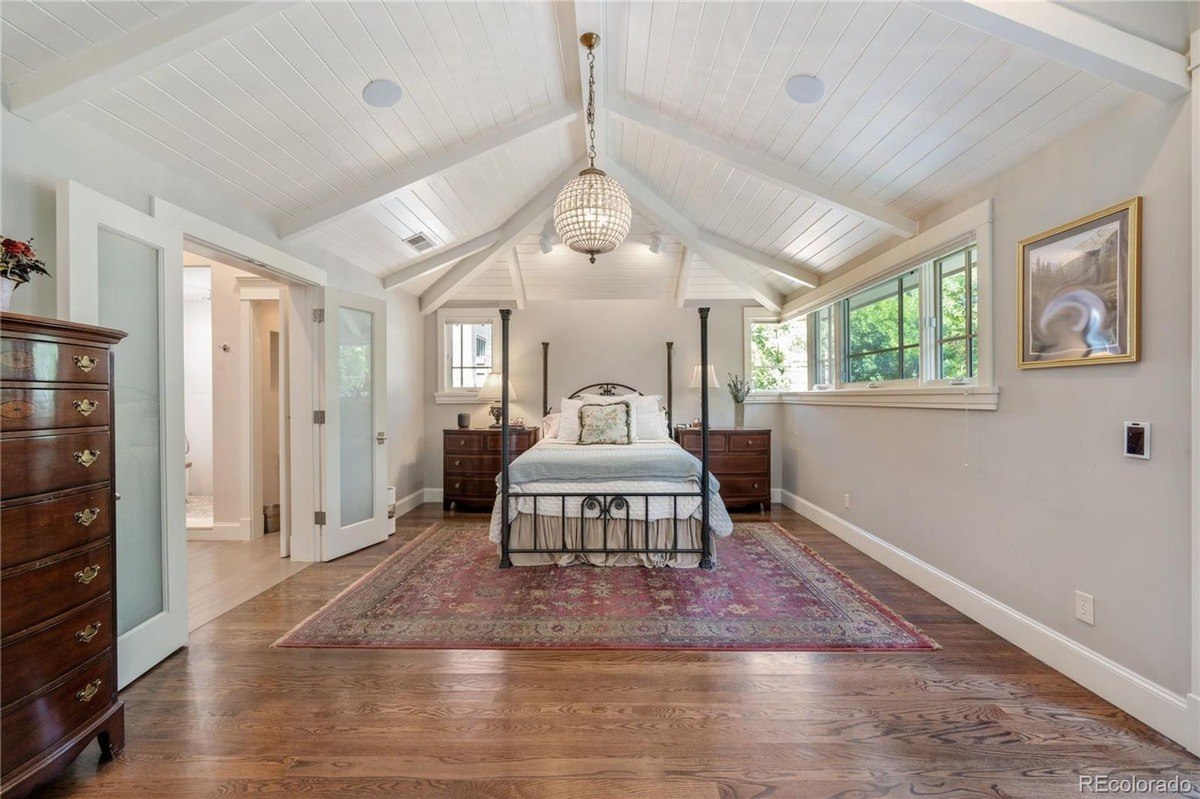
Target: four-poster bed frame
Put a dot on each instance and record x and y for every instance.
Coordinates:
(606, 506)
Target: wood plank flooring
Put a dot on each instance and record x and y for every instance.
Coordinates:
(224, 574)
(230, 716)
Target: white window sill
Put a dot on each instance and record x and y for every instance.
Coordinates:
(979, 398)
(457, 398)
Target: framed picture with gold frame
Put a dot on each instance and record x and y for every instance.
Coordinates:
(1078, 291)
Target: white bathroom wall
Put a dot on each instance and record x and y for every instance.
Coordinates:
(198, 378)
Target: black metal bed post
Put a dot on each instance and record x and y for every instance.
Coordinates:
(505, 559)
(706, 557)
(545, 378)
(670, 388)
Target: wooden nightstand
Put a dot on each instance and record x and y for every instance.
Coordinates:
(471, 462)
(740, 458)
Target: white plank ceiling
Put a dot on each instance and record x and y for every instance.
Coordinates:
(917, 108)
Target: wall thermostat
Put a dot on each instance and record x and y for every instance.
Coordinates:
(1137, 440)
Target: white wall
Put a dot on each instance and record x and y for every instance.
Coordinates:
(406, 393)
(1034, 501)
(34, 157)
(198, 387)
(593, 341)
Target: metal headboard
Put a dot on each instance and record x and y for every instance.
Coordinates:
(605, 389)
(610, 389)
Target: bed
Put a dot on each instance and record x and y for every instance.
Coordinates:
(643, 503)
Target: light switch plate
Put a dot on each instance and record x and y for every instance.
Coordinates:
(1137, 440)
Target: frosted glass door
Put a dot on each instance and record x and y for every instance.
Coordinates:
(129, 292)
(122, 269)
(355, 431)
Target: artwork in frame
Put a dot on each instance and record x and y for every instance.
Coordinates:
(1077, 286)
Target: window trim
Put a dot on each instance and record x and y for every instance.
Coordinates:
(445, 395)
(972, 226)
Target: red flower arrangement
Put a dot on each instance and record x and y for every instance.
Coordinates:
(18, 261)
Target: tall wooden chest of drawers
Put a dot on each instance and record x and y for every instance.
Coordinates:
(58, 659)
(740, 459)
(471, 462)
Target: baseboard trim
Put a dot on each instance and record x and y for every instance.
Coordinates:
(411, 502)
(433, 494)
(776, 496)
(1172, 714)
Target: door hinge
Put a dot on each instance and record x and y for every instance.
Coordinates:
(319, 517)
(318, 417)
(318, 314)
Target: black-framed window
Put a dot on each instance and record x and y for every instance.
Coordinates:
(881, 331)
(957, 281)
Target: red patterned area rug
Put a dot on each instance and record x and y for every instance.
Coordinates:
(769, 592)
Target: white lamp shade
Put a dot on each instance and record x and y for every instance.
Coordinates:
(712, 377)
(491, 388)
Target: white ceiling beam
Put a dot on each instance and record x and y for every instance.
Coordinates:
(681, 280)
(1075, 39)
(527, 220)
(670, 219)
(801, 275)
(518, 282)
(356, 198)
(588, 17)
(767, 169)
(437, 260)
(92, 71)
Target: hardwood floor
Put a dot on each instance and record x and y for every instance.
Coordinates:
(231, 716)
(224, 574)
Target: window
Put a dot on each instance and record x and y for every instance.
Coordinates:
(779, 356)
(913, 335)
(823, 361)
(883, 331)
(470, 354)
(957, 314)
(465, 352)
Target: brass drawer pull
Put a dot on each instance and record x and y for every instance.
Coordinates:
(85, 406)
(87, 457)
(458, 485)
(85, 576)
(88, 633)
(89, 691)
(85, 362)
(458, 463)
(87, 516)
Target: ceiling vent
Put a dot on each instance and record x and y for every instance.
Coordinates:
(420, 242)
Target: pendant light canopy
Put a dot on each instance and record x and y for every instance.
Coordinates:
(592, 213)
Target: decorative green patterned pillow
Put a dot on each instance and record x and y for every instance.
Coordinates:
(605, 424)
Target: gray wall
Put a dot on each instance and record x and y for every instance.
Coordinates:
(406, 393)
(1034, 501)
(599, 340)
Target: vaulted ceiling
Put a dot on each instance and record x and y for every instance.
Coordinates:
(753, 194)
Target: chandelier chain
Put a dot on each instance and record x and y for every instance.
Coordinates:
(591, 107)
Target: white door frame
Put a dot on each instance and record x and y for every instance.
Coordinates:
(301, 293)
(81, 212)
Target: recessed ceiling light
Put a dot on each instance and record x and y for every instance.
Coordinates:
(805, 88)
(381, 93)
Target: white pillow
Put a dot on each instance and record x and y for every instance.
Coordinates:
(647, 410)
(568, 420)
(550, 425)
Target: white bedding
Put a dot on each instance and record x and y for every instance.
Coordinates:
(659, 507)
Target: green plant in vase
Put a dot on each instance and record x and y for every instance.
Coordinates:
(739, 389)
(18, 262)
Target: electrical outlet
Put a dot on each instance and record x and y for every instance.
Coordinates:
(1085, 608)
(846, 501)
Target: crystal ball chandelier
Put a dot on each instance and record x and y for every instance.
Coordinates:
(592, 213)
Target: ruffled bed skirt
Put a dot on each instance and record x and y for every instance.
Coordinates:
(550, 535)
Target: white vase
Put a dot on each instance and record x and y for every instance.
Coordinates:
(6, 291)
